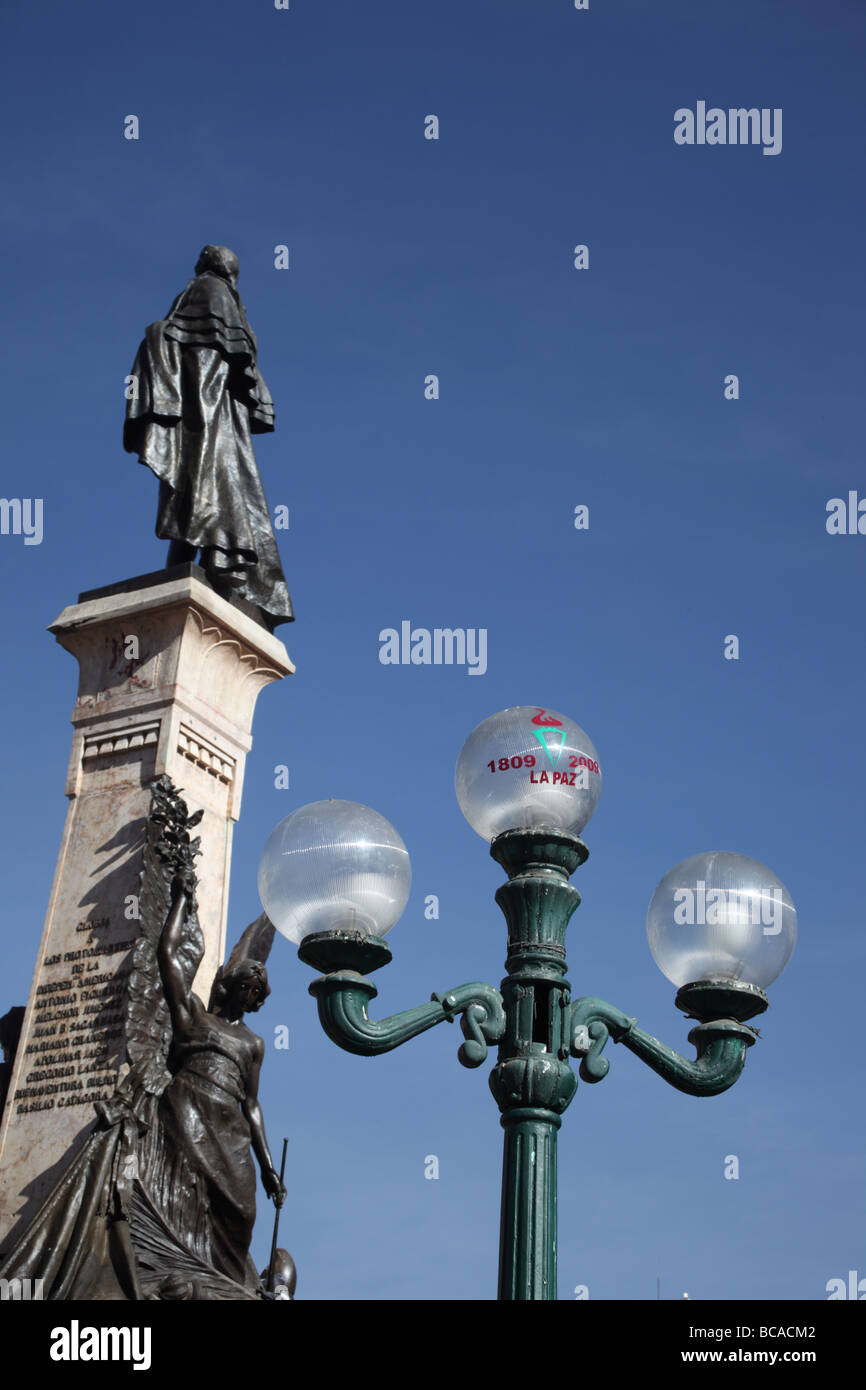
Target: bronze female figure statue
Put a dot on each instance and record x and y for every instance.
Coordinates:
(159, 1203)
(199, 1170)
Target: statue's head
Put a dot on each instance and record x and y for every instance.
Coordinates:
(219, 260)
(243, 987)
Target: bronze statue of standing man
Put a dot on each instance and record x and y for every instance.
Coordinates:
(197, 398)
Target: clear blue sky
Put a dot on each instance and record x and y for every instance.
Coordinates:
(558, 387)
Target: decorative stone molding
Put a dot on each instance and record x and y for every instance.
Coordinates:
(104, 745)
(205, 755)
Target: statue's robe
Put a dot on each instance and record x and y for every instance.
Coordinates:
(68, 1244)
(189, 1212)
(199, 397)
(196, 1161)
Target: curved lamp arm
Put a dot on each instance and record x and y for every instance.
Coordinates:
(343, 993)
(343, 997)
(721, 1047)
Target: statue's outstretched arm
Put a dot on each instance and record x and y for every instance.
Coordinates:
(177, 995)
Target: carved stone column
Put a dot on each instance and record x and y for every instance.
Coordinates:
(169, 677)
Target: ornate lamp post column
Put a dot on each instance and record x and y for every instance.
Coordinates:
(532, 1081)
(335, 878)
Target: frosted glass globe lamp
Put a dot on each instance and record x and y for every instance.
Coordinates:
(721, 924)
(335, 870)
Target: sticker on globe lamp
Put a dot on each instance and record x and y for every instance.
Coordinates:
(525, 767)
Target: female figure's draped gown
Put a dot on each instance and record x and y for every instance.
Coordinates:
(196, 1164)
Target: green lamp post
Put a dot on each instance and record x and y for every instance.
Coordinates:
(335, 877)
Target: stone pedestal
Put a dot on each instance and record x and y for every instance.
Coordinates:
(169, 676)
